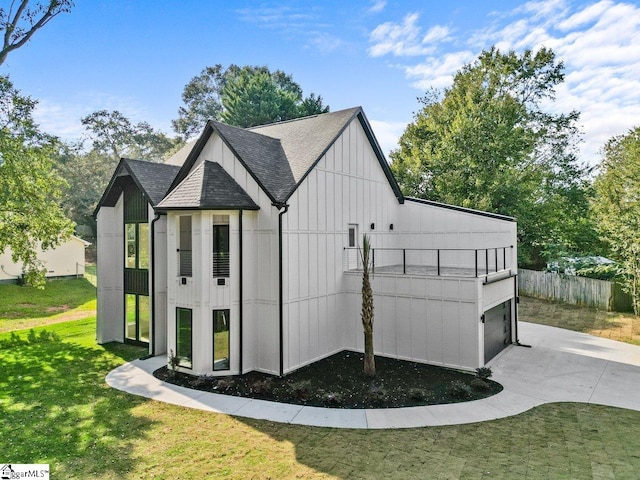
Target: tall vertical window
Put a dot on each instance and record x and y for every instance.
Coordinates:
(138, 317)
(131, 247)
(185, 268)
(221, 340)
(220, 251)
(143, 246)
(184, 337)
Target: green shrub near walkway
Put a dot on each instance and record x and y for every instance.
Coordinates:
(56, 408)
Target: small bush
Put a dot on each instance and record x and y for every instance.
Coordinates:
(483, 373)
(174, 361)
(225, 384)
(301, 390)
(377, 394)
(459, 389)
(332, 399)
(417, 394)
(479, 384)
(261, 387)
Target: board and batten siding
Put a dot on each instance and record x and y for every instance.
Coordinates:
(347, 186)
(260, 271)
(110, 244)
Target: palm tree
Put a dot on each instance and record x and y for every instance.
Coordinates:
(367, 310)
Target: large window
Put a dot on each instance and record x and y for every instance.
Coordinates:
(184, 337)
(137, 246)
(185, 268)
(221, 340)
(220, 251)
(138, 317)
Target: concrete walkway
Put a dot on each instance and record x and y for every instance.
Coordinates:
(561, 366)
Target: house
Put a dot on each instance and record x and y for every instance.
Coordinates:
(241, 253)
(65, 260)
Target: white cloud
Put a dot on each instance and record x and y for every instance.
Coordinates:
(378, 6)
(62, 118)
(388, 134)
(597, 42)
(404, 39)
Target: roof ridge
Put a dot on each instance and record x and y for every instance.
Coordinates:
(301, 118)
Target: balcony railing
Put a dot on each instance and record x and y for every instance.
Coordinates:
(454, 262)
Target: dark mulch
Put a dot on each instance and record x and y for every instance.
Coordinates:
(339, 382)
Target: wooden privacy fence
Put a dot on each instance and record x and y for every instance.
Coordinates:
(574, 290)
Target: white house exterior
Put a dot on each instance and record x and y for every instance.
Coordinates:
(243, 256)
(65, 260)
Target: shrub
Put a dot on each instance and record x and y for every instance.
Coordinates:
(174, 361)
(377, 394)
(261, 387)
(479, 384)
(483, 373)
(225, 384)
(301, 390)
(417, 394)
(332, 399)
(459, 389)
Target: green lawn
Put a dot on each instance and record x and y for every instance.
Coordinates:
(56, 408)
(24, 306)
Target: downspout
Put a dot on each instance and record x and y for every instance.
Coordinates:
(153, 284)
(240, 289)
(285, 209)
(516, 298)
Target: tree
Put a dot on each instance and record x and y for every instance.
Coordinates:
(617, 207)
(242, 96)
(30, 188)
(486, 143)
(88, 171)
(367, 310)
(20, 25)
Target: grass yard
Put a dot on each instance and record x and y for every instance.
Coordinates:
(624, 327)
(62, 300)
(56, 408)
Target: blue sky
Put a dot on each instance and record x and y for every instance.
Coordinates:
(136, 56)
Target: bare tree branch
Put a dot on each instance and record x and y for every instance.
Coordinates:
(15, 35)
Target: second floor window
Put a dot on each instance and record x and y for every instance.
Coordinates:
(221, 251)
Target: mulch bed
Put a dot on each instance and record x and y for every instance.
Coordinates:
(338, 381)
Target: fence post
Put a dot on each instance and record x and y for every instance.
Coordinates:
(438, 262)
(373, 259)
(476, 263)
(486, 261)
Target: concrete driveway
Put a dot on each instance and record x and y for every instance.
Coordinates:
(560, 366)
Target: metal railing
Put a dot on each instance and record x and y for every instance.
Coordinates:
(456, 262)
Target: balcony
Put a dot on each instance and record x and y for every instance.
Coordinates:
(440, 262)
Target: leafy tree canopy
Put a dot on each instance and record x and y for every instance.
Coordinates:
(19, 22)
(617, 207)
(487, 143)
(242, 96)
(30, 189)
(88, 171)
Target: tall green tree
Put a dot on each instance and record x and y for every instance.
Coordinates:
(487, 143)
(20, 21)
(617, 207)
(30, 188)
(242, 96)
(112, 136)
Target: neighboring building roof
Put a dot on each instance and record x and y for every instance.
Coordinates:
(279, 156)
(208, 187)
(153, 179)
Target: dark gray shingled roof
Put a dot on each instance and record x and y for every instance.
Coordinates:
(280, 155)
(208, 187)
(153, 179)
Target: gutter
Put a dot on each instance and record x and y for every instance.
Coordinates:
(240, 293)
(284, 208)
(515, 311)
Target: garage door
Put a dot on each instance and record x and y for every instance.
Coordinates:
(497, 330)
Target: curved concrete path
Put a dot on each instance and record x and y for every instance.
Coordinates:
(561, 366)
